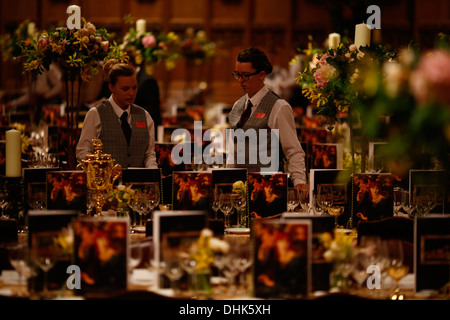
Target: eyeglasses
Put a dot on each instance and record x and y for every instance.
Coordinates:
(244, 76)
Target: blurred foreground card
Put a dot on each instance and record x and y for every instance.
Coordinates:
(101, 253)
(282, 261)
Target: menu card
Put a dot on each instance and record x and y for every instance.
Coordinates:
(432, 251)
(282, 258)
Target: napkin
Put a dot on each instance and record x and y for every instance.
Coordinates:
(12, 277)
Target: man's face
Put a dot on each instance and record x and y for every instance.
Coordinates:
(254, 83)
(124, 91)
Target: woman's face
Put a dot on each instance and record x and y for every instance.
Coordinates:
(124, 91)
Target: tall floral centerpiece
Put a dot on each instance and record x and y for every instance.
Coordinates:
(80, 54)
(149, 48)
(414, 91)
(333, 83)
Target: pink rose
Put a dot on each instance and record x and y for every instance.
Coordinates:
(430, 82)
(42, 44)
(324, 74)
(149, 41)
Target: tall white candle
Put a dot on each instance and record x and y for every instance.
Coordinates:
(334, 39)
(13, 153)
(141, 26)
(362, 35)
(31, 28)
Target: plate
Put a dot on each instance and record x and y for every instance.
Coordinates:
(238, 230)
(139, 229)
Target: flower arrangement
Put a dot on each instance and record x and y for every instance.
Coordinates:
(331, 80)
(150, 49)
(121, 195)
(206, 247)
(339, 248)
(78, 51)
(413, 91)
(196, 47)
(12, 44)
(240, 188)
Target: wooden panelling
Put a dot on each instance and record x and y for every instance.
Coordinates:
(271, 13)
(228, 14)
(185, 13)
(234, 24)
(151, 11)
(99, 15)
(18, 10)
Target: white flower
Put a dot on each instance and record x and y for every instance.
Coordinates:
(207, 233)
(219, 245)
(121, 187)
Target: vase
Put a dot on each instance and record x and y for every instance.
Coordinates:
(340, 276)
(123, 211)
(202, 284)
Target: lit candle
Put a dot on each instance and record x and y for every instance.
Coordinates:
(13, 153)
(334, 39)
(140, 26)
(31, 28)
(362, 35)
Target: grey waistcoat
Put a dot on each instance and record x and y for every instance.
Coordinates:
(113, 139)
(258, 120)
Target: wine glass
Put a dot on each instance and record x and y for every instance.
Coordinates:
(325, 197)
(396, 268)
(154, 197)
(19, 258)
(37, 199)
(407, 203)
(336, 211)
(304, 200)
(293, 199)
(3, 203)
(425, 199)
(226, 206)
(141, 206)
(398, 193)
(215, 207)
(240, 203)
(136, 256)
(43, 253)
(171, 267)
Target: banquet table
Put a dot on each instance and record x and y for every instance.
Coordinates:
(142, 282)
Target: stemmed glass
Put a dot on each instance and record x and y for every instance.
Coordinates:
(325, 197)
(396, 267)
(398, 193)
(293, 198)
(19, 258)
(136, 256)
(153, 198)
(425, 199)
(304, 200)
(215, 207)
(240, 203)
(171, 267)
(407, 203)
(141, 207)
(226, 206)
(43, 253)
(3, 203)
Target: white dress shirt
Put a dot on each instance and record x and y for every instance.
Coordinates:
(92, 127)
(282, 118)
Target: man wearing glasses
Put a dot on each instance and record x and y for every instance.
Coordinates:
(261, 109)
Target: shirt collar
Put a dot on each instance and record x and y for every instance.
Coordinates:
(256, 99)
(118, 110)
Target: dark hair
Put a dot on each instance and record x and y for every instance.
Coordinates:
(258, 59)
(114, 69)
